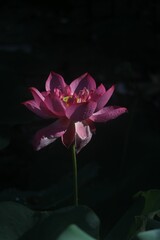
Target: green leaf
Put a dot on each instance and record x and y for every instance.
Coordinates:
(18, 222)
(139, 216)
(73, 232)
(59, 220)
(146, 223)
(148, 235)
(121, 230)
(15, 220)
(152, 200)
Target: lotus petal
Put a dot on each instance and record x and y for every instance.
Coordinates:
(38, 97)
(55, 80)
(69, 136)
(103, 100)
(83, 135)
(108, 113)
(81, 111)
(84, 81)
(50, 133)
(55, 105)
(32, 106)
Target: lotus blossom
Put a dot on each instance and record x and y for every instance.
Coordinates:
(75, 108)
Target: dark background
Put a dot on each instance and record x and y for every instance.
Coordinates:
(117, 42)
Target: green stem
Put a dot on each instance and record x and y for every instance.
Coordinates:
(75, 182)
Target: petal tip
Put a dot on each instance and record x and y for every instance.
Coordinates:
(125, 110)
(113, 87)
(31, 89)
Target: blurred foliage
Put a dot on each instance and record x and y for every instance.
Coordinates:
(117, 42)
(142, 216)
(20, 222)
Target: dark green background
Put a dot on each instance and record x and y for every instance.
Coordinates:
(117, 42)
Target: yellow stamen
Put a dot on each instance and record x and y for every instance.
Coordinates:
(78, 100)
(65, 99)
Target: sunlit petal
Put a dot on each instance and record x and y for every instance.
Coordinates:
(83, 135)
(84, 81)
(50, 133)
(108, 113)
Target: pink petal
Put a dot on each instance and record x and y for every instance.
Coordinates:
(80, 111)
(83, 135)
(91, 125)
(49, 134)
(55, 80)
(44, 93)
(98, 92)
(84, 81)
(55, 105)
(37, 95)
(69, 136)
(108, 113)
(32, 106)
(40, 104)
(102, 101)
(45, 109)
(67, 91)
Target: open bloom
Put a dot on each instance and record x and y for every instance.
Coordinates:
(75, 107)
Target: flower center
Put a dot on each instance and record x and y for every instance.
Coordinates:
(66, 98)
(83, 95)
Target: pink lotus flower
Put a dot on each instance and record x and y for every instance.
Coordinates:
(76, 107)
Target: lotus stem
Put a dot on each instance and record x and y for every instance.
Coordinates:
(75, 181)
